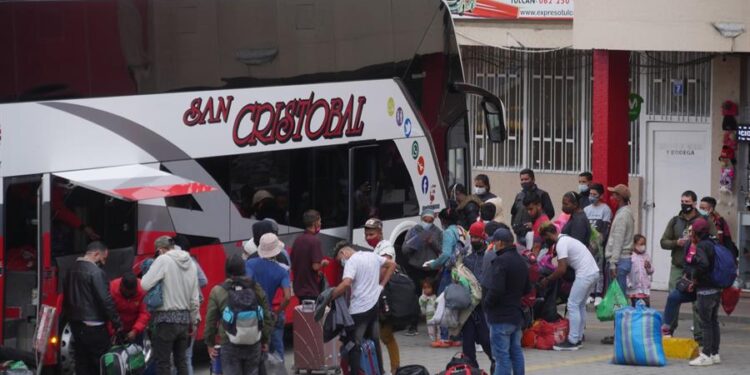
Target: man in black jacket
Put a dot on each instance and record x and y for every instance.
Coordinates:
(519, 216)
(88, 306)
(503, 285)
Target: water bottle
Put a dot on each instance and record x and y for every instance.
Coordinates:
(216, 362)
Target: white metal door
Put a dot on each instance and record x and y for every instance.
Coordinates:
(678, 159)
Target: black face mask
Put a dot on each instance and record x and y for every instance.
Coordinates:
(527, 185)
(477, 246)
(687, 208)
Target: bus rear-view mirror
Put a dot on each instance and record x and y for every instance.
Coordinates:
(494, 120)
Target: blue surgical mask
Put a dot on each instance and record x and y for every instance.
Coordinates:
(582, 188)
(425, 225)
(593, 199)
(343, 262)
(703, 213)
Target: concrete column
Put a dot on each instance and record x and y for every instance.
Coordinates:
(610, 153)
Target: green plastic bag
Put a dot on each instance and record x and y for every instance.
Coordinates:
(613, 300)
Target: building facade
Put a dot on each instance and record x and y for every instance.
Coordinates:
(679, 71)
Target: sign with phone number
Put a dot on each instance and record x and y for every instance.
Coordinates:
(512, 9)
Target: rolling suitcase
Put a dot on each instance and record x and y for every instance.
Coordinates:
(311, 354)
(368, 360)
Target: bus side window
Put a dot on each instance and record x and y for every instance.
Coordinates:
(260, 185)
(319, 180)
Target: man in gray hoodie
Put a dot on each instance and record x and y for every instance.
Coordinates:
(178, 316)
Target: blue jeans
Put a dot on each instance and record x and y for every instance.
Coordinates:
(672, 309)
(581, 288)
(276, 344)
(623, 269)
(506, 349)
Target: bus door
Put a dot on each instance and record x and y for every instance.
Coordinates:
(363, 182)
(457, 148)
(20, 266)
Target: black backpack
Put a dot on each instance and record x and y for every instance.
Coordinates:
(412, 370)
(242, 317)
(401, 299)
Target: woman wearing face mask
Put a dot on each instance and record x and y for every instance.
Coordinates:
(482, 187)
(578, 225)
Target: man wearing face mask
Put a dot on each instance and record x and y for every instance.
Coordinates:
(707, 209)
(88, 306)
(383, 248)
(475, 329)
(676, 236)
(422, 244)
(307, 258)
(482, 187)
(520, 220)
(468, 205)
(365, 273)
(584, 187)
(600, 217)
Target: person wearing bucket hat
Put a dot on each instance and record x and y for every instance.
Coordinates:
(272, 276)
(421, 244)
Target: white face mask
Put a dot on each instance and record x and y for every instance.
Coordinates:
(583, 188)
(479, 190)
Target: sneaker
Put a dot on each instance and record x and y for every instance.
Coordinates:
(589, 300)
(411, 332)
(609, 340)
(478, 348)
(440, 344)
(566, 346)
(716, 358)
(597, 301)
(702, 360)
(456, 343)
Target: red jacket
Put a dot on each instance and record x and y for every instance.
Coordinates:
(132, 311)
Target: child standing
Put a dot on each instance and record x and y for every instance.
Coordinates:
(639, 278)
(428, 304)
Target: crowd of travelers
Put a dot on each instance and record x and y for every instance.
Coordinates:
(586, 246)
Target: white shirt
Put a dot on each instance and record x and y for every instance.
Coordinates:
(363, 268)
(384, 248)
(578, 255)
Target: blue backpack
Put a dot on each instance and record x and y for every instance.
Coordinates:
(725, 268)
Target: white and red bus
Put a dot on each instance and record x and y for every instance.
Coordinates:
(127, 120)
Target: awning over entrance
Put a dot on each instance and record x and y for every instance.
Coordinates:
(134, 182)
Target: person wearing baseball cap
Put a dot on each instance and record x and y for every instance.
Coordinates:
(620, 242)
(697, 285)
(383, 248)
(504, 284)
(272, 276)
(475, 330)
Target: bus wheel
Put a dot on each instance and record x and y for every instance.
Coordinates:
(66, 361)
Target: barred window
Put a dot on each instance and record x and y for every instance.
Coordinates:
(545, 96)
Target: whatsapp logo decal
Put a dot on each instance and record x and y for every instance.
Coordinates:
(634, 106)
(415, 150)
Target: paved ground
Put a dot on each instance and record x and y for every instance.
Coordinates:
(593, 357)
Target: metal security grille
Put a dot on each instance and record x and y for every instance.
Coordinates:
(501, 72)
(548, 108)
(557, 119)
(548, 99)
(677, 85)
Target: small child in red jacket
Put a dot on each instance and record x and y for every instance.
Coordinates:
(128, 296)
